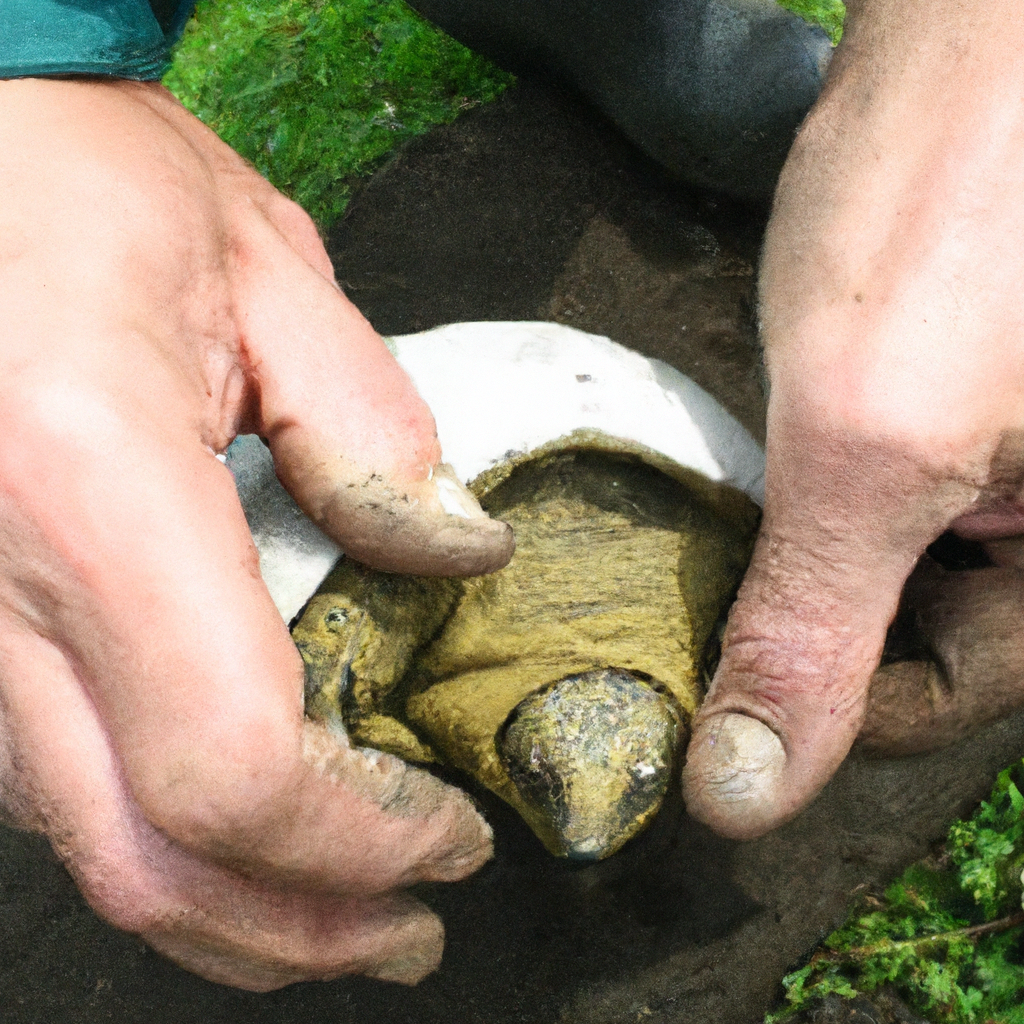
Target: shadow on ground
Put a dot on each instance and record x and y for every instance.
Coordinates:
(534, 209)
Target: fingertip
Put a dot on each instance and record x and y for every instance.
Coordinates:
(414, 945)
(431, 527)
(422, 957)
(281, 941)
(432, 831)
(452, 546)
(469, 842)
(735, 775)
(470, 543)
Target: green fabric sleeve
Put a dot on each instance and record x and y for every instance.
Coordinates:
(120, 38)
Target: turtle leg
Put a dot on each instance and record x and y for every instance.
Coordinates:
(358, 636)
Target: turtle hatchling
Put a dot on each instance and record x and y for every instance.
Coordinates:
(565, 682)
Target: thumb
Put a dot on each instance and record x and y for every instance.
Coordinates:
(351, 438)
(845, 520)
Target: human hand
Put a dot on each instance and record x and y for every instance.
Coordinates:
(954, 658)
(892, 319)
(156, 297)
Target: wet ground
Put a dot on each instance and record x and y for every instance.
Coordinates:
(534, 209)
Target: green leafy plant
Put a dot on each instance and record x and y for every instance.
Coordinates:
(948, 935)
(829, 14)
(317, 92)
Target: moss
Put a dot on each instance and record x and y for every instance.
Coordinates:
(947, 935)
(829, 14)
(318, 92)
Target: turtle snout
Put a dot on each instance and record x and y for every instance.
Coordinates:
(592, 756)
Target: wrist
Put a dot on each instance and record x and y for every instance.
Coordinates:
(949, 52)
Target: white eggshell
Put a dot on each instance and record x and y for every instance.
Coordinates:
(498, 389)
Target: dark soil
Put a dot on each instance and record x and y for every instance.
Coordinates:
(535, 209)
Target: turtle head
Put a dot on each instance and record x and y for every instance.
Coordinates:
(591, 758)
(334, 631)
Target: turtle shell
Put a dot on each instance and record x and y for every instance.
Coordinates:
(565, 681)
(633, 496)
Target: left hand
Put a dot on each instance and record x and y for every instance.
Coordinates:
(156, 297)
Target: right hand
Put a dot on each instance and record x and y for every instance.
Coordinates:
(157, 297)
(893, 323)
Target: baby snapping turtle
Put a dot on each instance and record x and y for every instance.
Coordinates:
(565, 682)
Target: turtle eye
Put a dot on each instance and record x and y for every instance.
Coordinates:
(336, 617)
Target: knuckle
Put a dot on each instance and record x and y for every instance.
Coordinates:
(115, 881)
(230, 800)
(124, 907)
(294, 217)
(301, 232)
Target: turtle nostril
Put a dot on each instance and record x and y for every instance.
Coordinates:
(336, 617)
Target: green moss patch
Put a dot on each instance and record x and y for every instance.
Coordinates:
(317, 92)
(948, 935)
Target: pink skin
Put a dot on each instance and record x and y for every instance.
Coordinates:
(893, 324)
(150, 698)
(156, 297)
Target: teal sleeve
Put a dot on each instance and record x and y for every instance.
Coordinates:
(121, 38)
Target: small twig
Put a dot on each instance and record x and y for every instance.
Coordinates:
(974, 931)
(1002, 925)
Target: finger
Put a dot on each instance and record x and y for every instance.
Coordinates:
(219, 924)
(351, 438)
(968, 622)
(808, 626)
(356, 444)
(151, 584)
(1007, 552)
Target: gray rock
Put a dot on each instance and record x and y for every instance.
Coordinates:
(712, 89)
